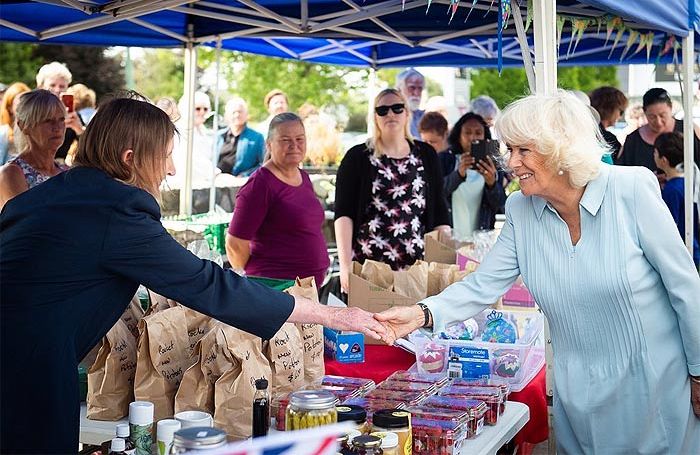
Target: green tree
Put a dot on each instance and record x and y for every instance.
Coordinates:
(512, 84)
(160, 73)
(19, 64)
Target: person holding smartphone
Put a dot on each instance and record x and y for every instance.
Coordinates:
(471, 185)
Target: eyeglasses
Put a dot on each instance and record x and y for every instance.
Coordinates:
(201, 108)
(395, 108)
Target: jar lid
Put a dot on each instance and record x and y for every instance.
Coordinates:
(351, 413)
(141, 412)
(200, 437)
(117, 445)
(366, 441)
(391, 418)
(389, 439)
(166, 428)
(123, 430)
(312, 399)
(261, 384)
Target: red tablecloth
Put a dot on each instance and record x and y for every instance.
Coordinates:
(381, 361)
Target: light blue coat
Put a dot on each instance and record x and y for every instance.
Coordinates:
(623, 307)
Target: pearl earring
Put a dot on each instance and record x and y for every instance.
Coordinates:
(560, 172)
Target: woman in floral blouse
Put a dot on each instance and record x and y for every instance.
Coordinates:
(388, 193)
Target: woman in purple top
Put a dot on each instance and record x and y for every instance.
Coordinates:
(276, 227)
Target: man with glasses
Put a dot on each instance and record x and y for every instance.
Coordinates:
(411, 83)
(241, 149)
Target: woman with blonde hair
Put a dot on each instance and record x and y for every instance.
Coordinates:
(388, 192)
(40, 119)
(600, 253)
(74, 251)
(8, 106)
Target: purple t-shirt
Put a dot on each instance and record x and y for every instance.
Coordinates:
(284, 225)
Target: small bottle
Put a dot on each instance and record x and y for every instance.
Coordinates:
(123, 432)
(141, 426)
(261, 409)
(118, 446)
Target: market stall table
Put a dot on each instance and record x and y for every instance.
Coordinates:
(381, 361)
(488, 442)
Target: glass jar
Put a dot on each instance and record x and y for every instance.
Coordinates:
(197, 439)
(395, 421)
(353, 413)
(309, 409)
(390, 442)
(366, 445)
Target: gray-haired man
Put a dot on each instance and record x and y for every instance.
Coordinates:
(411, 83)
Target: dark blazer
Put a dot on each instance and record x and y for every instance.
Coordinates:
(353, 189)
(73, 252)
(493, 200)
(250, 152)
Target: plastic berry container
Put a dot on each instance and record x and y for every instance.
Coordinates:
(490, 395)
(407, 376)
(459, 417)
(437, 437)
(363, 384)
(406, 386)
(392, 395)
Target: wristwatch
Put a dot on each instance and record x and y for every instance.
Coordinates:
(427, 314)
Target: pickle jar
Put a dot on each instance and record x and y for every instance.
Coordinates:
(310, 408)
(355, 414)
(366, 445)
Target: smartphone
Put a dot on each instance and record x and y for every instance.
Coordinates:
(482, 149)
(67, 101)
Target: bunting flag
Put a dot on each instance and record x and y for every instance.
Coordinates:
(578, 28)
(620, 31)
(561, 22)
(631, 39)
(505, 13)
(649, 44)
(474, 2)
(500, 37)
(491, 8)
(428, 8)
(600, 22)
(454, 4)
(611, 24)
(669, 42)
(530, 13)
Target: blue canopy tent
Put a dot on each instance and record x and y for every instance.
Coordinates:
(379, 33)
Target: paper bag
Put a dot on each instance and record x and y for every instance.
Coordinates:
(285, 354)
(439, 277)
(162, 359)
(133, 315)
(377, 273)
(159, 303)
(197, 326)
(111, 377)
(235, 389)
(196, 391)
(412, 282)
(311, 334)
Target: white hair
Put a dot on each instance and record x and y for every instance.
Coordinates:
(405, 74)
(235, 101)
(53, 69)
(200, 99)
(485, 106)
(559, 126)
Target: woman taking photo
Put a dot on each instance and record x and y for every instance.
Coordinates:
(473, 189)
(600, 253)
(41, 120)
(388, 193)
(74, 251)
(276, 230)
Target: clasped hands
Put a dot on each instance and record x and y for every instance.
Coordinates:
(387, 326)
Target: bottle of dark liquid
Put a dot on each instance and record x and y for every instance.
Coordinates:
(261, 409)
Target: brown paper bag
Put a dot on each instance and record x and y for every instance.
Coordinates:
(412, 282)
(159, 303)
(440, 276)
(111, 377)
(162, 359)
(132, 315)
(235, 389)
(311, 334)
(196, 391)
(285, 354)
(197, 326)
(378, 273)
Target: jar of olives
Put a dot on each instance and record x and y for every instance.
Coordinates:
(310, 408)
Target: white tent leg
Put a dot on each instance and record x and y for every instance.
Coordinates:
(688, 134)
(524, 47)
(544, 22)
(188, 115)
(371, 93)
(215, 127)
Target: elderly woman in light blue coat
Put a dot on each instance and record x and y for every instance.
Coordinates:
(598, 249)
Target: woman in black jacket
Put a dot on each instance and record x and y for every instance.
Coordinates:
(473, 190)
(388, 193)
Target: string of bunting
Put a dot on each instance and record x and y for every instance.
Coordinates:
(578, 27)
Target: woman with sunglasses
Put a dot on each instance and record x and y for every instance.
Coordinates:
(388, 193)
(639, 145)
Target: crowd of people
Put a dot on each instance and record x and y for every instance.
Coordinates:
(594, 232)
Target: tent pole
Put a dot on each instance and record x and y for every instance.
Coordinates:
(371, 93)
(215, 127)
(544, 22)
(688, 134)
(524, 47)
(188, 116)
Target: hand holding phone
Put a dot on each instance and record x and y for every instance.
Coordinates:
(67, 100)
(482, 149)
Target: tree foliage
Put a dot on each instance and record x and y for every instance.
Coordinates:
(160, 73)
(512, 84)
(18, 63)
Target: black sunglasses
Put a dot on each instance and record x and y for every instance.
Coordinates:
(395, 108)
